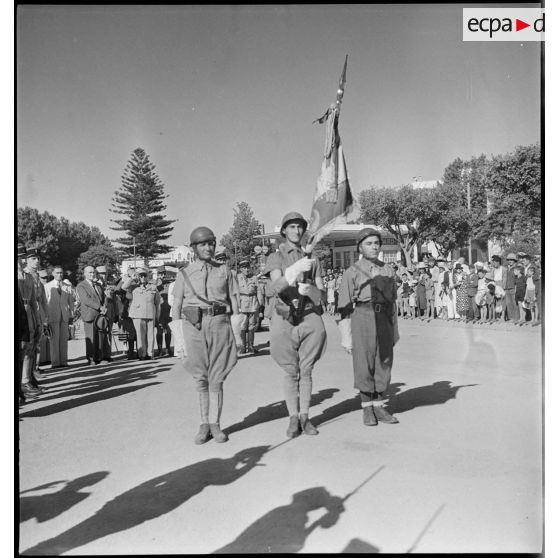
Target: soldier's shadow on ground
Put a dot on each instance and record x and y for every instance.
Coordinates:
(275, 411)
(284, 529)
(96, 388)
(437, 393)
(399, 401)
(152, 499)
(44, 507)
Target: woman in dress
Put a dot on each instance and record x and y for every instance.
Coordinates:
(460, 284)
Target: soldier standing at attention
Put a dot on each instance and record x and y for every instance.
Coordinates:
(250, 297)
(368, 295)
(144, 311)
(204, 296)
(298, 337)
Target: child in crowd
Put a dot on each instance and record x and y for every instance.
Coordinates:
(405, 292)
(520, 290)
(490, 302)
(413, 299)
(530, 301)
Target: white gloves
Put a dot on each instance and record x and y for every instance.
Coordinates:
(346, 334)
(311, 291)
(300, 266)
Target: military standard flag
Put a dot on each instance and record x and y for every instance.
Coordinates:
(333, 199)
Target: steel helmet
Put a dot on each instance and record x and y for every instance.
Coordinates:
(293, 216)
(201, 234)
(366, 232)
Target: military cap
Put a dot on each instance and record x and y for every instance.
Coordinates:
(293, 216)
(21, 250)
(511, 256)
(458, 266)
(201, 234)
(101, 269)
(221, 256)
(141, 271)
(244, 263)
(31, 252)
(365, 233)
(43, 273)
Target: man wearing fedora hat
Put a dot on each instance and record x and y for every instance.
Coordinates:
(91, 297)
(298, 336)
(43, 356)
(368, 296)
(59, 314)
(204, 295)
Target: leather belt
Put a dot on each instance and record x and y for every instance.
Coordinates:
(216, 310)
(376, 306)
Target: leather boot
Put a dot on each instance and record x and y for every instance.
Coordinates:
(203, 435)
(243, 343)
(383, 416)
(368, 417)
(307, 426)
(294, 427)
(251, 348)
(218, 435)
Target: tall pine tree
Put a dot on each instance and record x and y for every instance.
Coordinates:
(140, 201)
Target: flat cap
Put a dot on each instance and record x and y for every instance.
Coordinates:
(31, 252)
(244, 263)
(43, 273)
(21, 250)
(511, 256)
(141, 271)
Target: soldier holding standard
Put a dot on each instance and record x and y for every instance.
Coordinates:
(298, 336)
(204, 296)
(368, 294)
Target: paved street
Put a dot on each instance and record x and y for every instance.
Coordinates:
(108, 464)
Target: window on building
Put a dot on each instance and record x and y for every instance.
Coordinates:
(347, 259)
(338, 259)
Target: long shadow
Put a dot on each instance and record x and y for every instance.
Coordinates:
(275, 411)
(85, 400)
(47, 506)
(436, 394)
(152, 499)
(283, 529)
(98, 383)
(347, 406)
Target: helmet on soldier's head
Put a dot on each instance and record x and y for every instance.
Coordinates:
(365, 233)
(293, 216)
(201, 234)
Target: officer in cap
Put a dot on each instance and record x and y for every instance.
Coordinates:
(298, 337)
(144, 310)
(204, 295)
(27, 289)
(368, 294)
(250, 301)
(163, 328)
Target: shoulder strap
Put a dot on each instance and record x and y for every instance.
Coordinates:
(189, 283)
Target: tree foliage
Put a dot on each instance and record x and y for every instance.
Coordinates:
(239, 242)
(140, 201)
(399, 210)
(59, 241)
(99, 254)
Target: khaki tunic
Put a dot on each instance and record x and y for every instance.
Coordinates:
(363, 286)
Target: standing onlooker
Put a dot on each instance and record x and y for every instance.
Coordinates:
(509, 306)
(43, 356)
(530, 300)
(472, 289)
(412, 298)
(461, 298)
(520, 289)
(430, 294)
(422, 303)
(482, 289)
(144, 310)
(59, 306)
(330, 286)
(91, 298)
(405, 293)
(250, 301)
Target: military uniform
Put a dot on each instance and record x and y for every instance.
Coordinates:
(203, 295)
(249, 305)
(298, 336)
(368, 294)
(144, 311)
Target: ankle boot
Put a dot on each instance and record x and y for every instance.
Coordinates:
(294, 427)
(383, 416)
(243, 343)
(203, 435)
(251, 348)
(368, 417)
(218, 435)
(307, 426)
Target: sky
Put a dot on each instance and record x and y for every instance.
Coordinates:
(222, 99)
